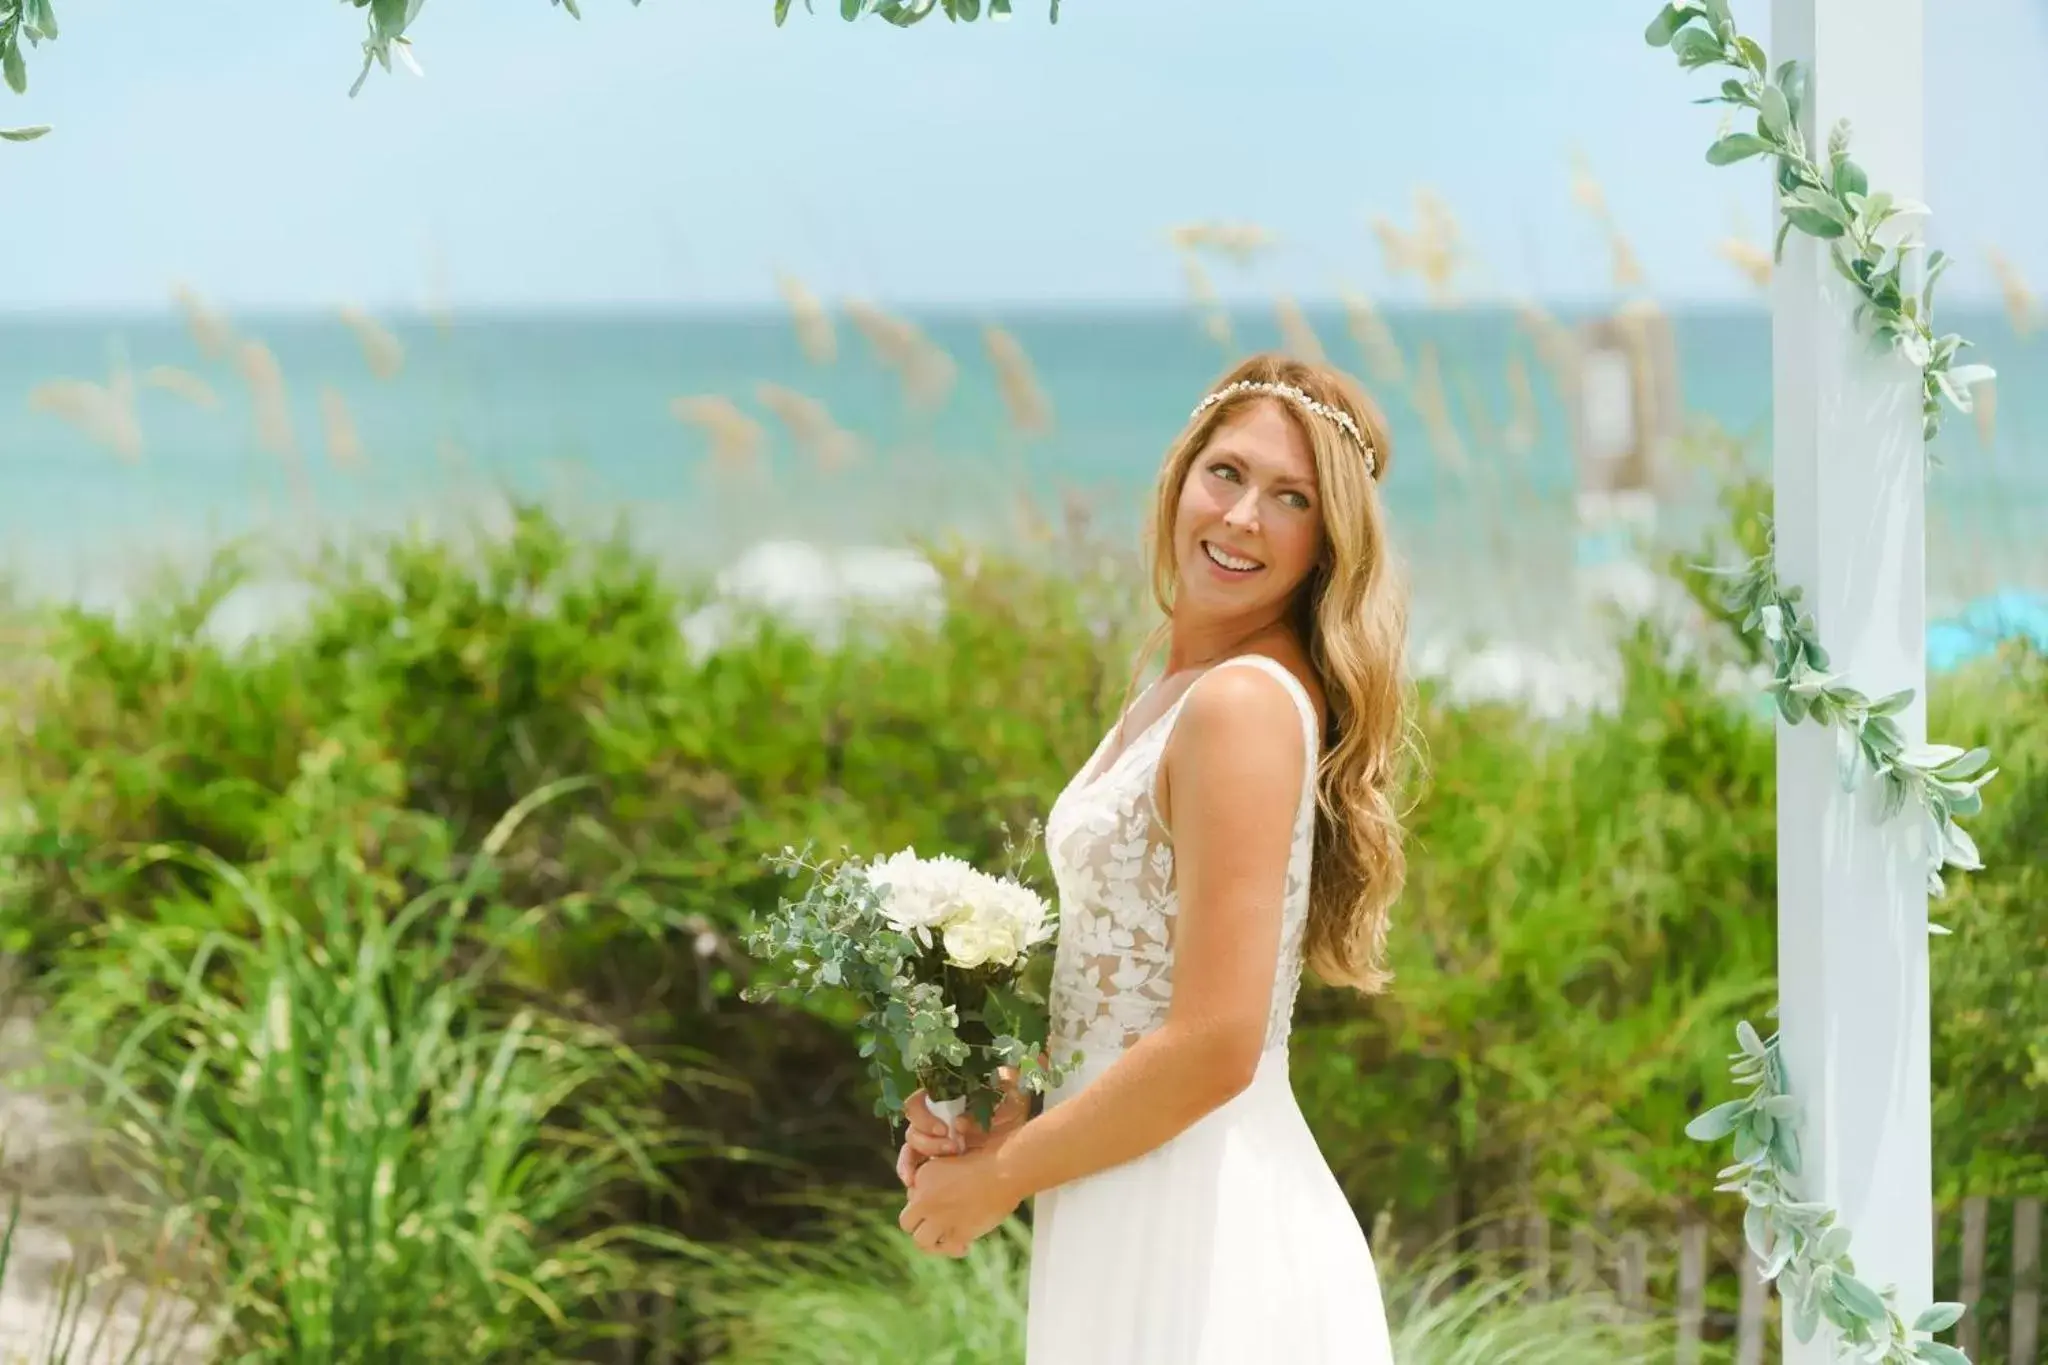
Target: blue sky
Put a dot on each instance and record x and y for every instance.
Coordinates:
(684, 151)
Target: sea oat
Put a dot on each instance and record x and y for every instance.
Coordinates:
(104, 413)
(184, 384)
(1370, 332)
(831, 446)
(2020, 303)
(814, 331)
(927, 372)
(344, 443)
(1752, 260)
(1030, 409)
(208, 328)
(1427, 393)
(267, 398)
(1297, 337)
(382, 351)
(1215, 319)
(737, 440)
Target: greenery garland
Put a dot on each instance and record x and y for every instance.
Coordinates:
(36, 20)
(1800, 1243)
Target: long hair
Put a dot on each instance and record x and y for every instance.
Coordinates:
(1351, 613)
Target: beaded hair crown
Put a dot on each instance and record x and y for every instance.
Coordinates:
(1300, 400)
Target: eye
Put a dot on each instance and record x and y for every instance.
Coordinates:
(1300, 500)
(1226, 470)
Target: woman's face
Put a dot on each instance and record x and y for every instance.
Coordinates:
(1250, 525)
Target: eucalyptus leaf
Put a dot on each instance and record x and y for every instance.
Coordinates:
(850, 9)
(1832, 1244)
(1736, 147)
(1775, 113)
(1859, 1297)
(28, 134)
(1937, 1353)
(1717, 1122)
(1938, 1317)
(1697, 47)
(1814, 224)
(1666, 25)
(13, 70)
(1752, 55)
(1746, 1036)
(781, 12)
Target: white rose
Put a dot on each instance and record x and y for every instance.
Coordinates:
(977, 942)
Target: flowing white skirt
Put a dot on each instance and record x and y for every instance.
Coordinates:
(1232, 1244)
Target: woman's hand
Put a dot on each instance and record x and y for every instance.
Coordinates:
(957, 1199)
(928, 1136)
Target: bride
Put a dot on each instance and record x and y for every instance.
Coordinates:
(1237, 822)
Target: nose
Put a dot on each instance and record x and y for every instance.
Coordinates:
(1245, 511)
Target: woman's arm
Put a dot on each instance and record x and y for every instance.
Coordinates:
(1233, 769)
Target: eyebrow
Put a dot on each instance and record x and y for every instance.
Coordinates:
(1309, 483)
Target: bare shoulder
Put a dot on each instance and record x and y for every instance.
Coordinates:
(1240, 729)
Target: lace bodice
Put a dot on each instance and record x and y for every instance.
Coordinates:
(1113, 862)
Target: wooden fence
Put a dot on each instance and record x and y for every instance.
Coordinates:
(1987, 1256)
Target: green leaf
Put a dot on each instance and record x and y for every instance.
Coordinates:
(1814, 223)
(1775, 113)
(1778, 247)
(43, 17)
(1792, 80)
(850, 9)
(1746, 1037)
(1736, 147)
(1752, 55)
(1722, 20)
(389, 17)
(28, 134)
(1697, 47)
(1717, 1122)
(967, 11)
(1936, 1353)
(1938, 1317)
(781, 12)
(1860, 1298)
(1665, 26)
(11, 66)
(1850, 178)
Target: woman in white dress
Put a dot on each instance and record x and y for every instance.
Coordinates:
(1239, 821)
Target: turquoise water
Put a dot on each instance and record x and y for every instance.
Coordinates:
(575, 409)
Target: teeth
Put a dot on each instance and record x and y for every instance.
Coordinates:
(1229, 561)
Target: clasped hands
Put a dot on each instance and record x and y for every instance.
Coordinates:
(957, 1190)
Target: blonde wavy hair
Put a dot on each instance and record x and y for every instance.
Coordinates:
(1351, 615)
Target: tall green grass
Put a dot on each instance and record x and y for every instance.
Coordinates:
(376, 1164)
(865, 1293)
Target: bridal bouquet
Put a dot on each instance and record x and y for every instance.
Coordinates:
(939, 957)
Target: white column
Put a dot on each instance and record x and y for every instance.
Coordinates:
(1852, 904)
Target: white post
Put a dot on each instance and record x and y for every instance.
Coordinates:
(1851, 514)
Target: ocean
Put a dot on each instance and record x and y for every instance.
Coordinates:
(578, 411)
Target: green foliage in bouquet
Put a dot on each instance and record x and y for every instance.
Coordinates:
(930, 1017)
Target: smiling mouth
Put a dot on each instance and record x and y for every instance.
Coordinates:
(1228, 562)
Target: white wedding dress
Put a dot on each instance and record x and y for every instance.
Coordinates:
(1232, 1244)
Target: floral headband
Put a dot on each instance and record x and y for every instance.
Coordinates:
(1300, 400)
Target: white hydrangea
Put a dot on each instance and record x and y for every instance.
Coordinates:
(982, 920)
